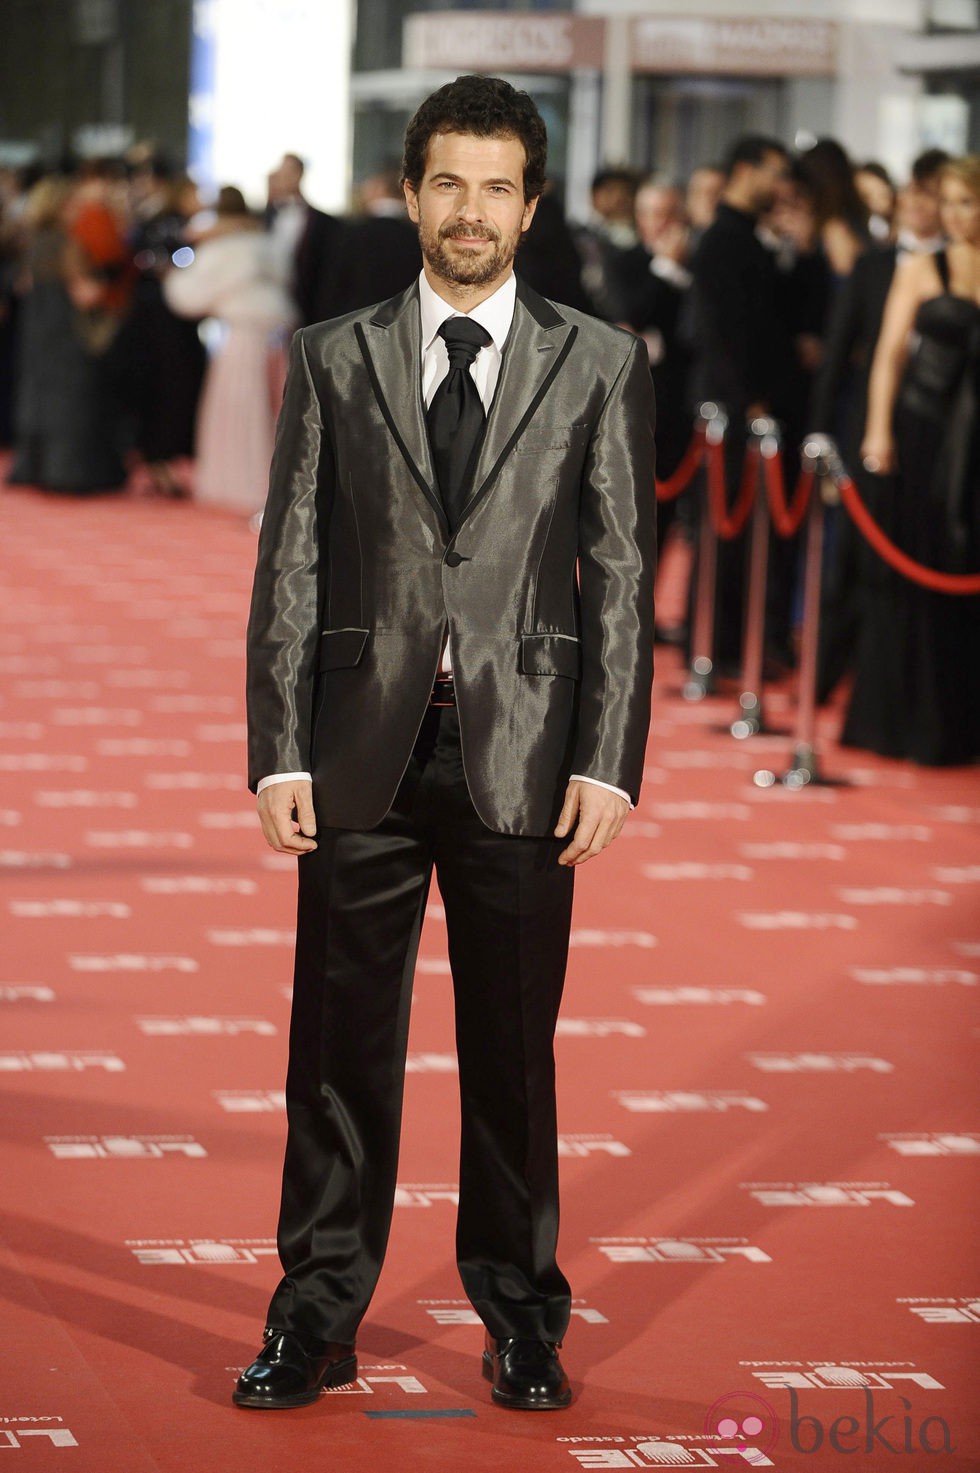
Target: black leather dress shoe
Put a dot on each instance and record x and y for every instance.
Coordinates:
(290, 1371)
(526, 1374)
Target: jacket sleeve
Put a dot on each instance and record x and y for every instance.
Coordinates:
(617, 563)
(283, 625)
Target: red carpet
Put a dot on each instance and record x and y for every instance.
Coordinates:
(766, 1064)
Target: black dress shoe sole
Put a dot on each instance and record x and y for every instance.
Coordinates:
(554, 1403)
(341, 1373)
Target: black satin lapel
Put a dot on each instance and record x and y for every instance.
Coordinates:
(533, 356)
(392, 355)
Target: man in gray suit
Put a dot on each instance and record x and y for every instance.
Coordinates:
(450, 659)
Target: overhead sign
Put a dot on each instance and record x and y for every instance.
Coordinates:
(532, 41)
(765, 48)
(502, 41)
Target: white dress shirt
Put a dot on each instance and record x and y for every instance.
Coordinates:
(672, 271)
(917, 245)
(286, 232)
(495, 313)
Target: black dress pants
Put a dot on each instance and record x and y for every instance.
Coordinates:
(362, 897)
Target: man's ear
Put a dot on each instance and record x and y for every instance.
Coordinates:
(529, 210)
(411, 201)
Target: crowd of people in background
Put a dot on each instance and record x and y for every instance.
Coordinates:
(143, 333)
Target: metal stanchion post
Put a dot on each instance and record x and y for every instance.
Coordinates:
(700, 678)
(804, 766)
(750, 719)
(821, 451)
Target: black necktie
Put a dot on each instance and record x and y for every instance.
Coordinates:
(455, 416)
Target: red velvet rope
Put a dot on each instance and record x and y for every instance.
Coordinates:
(729, 524)
(684, 474)
(895, 557)
(787, 520)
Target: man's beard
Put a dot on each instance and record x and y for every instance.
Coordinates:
(475, 269)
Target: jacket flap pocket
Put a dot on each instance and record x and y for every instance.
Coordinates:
(341, 648)
(551, 654)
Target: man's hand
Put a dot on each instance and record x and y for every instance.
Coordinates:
(276, 804)
(596, 816)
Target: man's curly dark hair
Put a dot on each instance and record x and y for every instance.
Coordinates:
(487, 107)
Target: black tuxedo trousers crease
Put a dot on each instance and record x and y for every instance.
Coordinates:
(508, 912)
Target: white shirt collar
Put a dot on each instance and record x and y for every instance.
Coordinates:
(495, 313)
(919, 245)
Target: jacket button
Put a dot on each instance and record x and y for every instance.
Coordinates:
(453, 559)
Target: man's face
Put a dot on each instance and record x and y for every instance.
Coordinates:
(767, 176)
(703, 193)
(613, 200)
(657, 208)
(792, 217)
(470, 207)
(284, 182)
(918, 209)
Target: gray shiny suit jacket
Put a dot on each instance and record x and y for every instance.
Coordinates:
(546, 587)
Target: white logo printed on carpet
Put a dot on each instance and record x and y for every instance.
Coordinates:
(679, 1250)
(961, 1311)
(933, 1143)
(194, 1027)
(251, 1101)
(913, 976)
(48, 1062)
(818, 1063)
(680, 1101)
(666, 997)
(15, 1432)
(824, 1376)
(123, 1147)
(176, 1252)
(130, 961)
(825, 1194)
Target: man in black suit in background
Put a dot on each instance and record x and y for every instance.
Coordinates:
(650, 287)
(741, 347)
(611, 230)
(735, 327)
(381, 246)
(450, 657)
(310, 242)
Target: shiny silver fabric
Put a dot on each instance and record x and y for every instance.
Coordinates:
(546, 588)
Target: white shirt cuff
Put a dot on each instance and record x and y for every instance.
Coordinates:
(577, 777)
(282, 777)
(287, 777)
(670, 270)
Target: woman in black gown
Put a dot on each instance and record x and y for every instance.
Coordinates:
(917, 673)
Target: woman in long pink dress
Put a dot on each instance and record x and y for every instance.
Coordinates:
(236, 279)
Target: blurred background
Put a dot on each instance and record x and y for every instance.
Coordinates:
(225, 86)
(183, 183)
